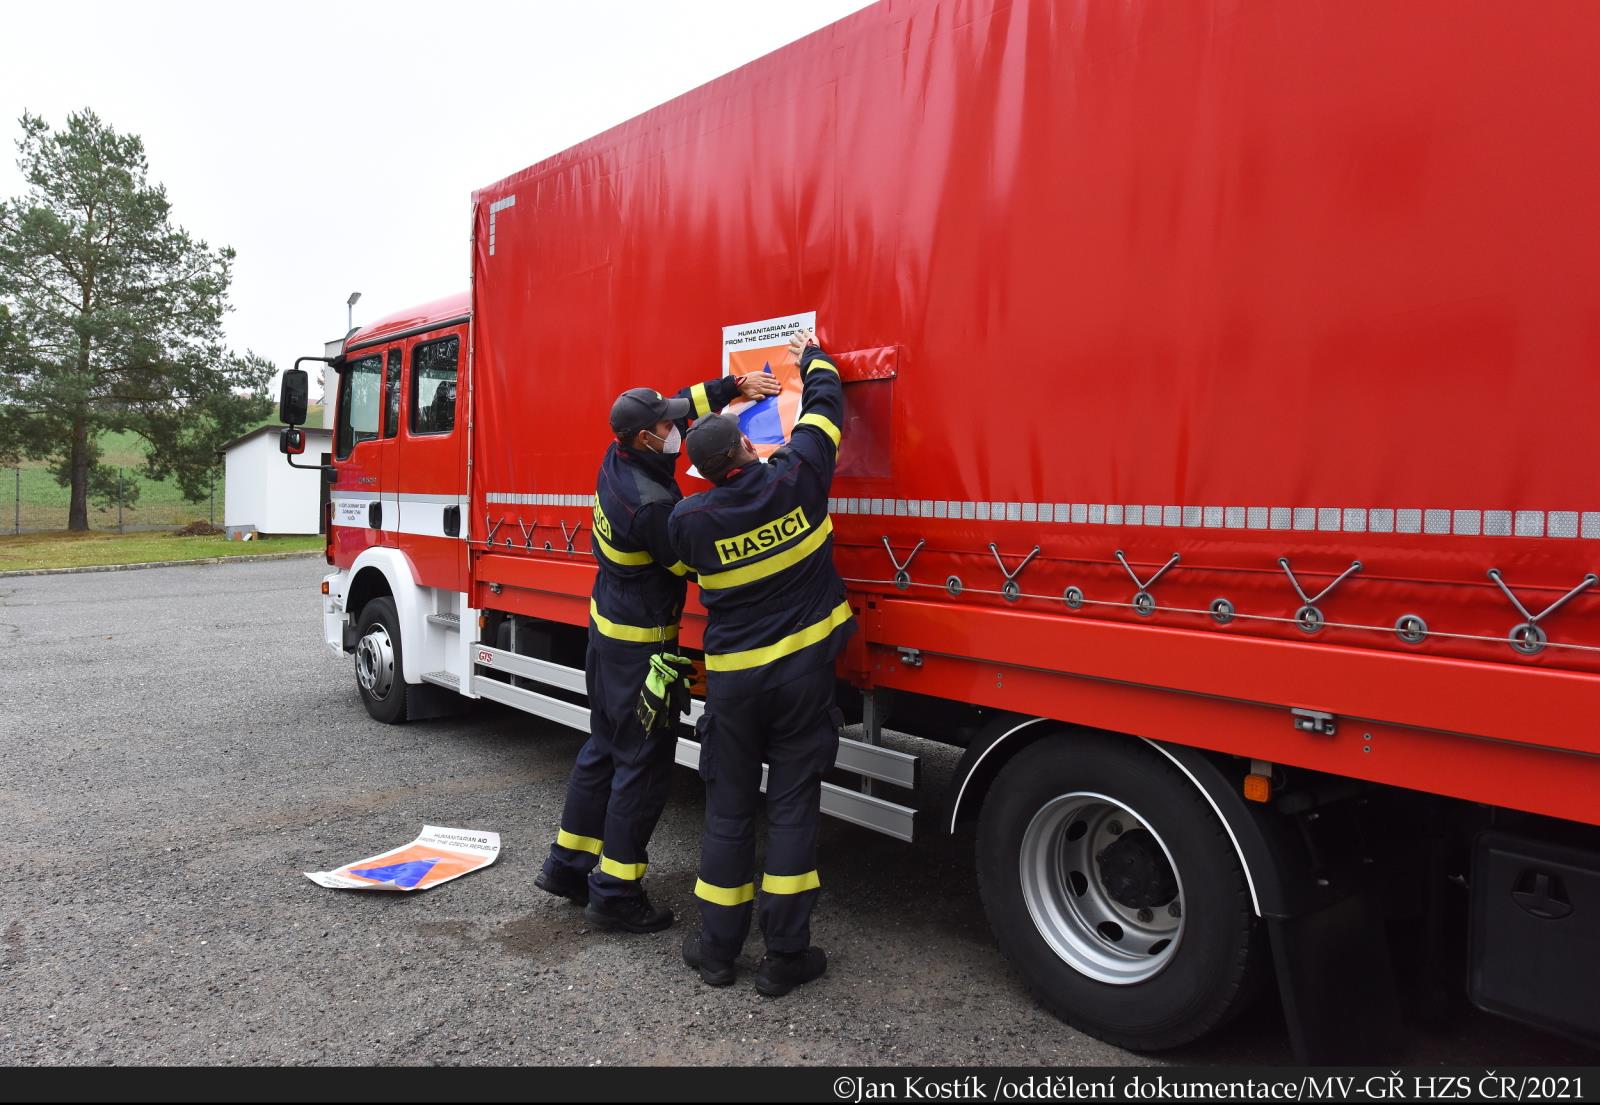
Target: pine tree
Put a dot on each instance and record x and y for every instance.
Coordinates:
(111, 318)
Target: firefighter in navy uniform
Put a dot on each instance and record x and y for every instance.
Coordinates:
(619, 783)
(761, 544)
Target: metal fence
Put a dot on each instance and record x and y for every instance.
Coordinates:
(34, 502)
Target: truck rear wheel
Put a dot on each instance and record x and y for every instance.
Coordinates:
(1113, 887)
(380, 677)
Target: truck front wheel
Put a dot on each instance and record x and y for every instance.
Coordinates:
(379, 675)
(1114, 888)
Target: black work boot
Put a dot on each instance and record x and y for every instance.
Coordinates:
(781, 972)
(713, 972)
(563, 882)
(632, 914)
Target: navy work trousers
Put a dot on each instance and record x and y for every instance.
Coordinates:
(619, 783)
(794, 729)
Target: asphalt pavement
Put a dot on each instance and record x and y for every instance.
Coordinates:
(180, 746)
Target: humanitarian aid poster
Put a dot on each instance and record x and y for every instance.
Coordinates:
(438, 855)
(764, 347)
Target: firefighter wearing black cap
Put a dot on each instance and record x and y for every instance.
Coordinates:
(618, 785)
(761, 544)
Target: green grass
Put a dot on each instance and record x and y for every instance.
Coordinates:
(77, 550)
(160, 503)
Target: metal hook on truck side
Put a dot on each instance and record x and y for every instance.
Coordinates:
(902, 573)
(1011, 589)
(1308, 617)
(1528, 638)
(489, 540)
(571, 537)
(1144, 603)
(527, 534)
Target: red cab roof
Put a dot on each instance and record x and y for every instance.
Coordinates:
(428, 316)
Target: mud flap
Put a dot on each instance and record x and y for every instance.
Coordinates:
(1337, 984)
(424, 702)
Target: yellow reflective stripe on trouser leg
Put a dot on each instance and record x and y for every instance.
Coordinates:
(702, 401)
(630, 871)
(724, 895)
(772, 565)
(787, 884)
(794, 642)
(821, 422)
(679, 569)
(617, 556)
(578, 843)
(637, 633)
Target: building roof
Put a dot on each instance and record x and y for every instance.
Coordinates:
(259, 430)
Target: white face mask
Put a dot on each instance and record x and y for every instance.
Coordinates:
(671, 443)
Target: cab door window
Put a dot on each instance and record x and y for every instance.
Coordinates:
(433, 386)
(391, 395)
(360, 397)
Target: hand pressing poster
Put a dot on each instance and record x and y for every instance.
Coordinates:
(764, 347)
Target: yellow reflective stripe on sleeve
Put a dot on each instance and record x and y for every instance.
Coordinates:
(724, 895)
(794, 642)
(823, 423)
(616, 555)
(821, 363)
(772, 565)
(702, 401)
(578, 843)
(679, 569)
(633, 872)
(787, 884)
(620, 632)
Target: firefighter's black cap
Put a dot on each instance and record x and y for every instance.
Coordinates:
(710, 441)
(640, 408)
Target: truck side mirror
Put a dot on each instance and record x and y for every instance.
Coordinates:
(291, 441)
(292, 400)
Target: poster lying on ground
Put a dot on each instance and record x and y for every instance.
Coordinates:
(436, 856)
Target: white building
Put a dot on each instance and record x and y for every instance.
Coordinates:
(265, 495)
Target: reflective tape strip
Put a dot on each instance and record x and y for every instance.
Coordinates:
(679, 569)
(616, 555)
(724, 895)
(578, 843)
(772, 565)
(633, 872)
(702, 401)
(620, 632)
(822, 423)
(794, 642)
(821, 363)
(787, 884)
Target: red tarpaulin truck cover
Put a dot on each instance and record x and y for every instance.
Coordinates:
(1289, 297)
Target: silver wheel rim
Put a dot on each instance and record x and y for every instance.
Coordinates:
(375, 662)
(1074, 909)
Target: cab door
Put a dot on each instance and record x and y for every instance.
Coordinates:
(365, 453)
(433, 459)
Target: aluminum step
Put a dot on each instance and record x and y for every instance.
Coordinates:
(442, 679)
(449, 621)
(871, 761)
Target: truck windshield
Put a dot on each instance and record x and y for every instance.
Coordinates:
(360, 391)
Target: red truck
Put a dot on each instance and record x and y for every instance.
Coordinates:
(1218, 472)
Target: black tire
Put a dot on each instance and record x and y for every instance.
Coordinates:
(1214, 966)
(386, 703)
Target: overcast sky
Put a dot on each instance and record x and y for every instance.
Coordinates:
(336, 145)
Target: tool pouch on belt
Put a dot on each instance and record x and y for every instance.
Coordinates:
(666, 692)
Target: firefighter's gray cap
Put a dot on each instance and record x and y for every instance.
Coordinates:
(640, 408)
(710, 441)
